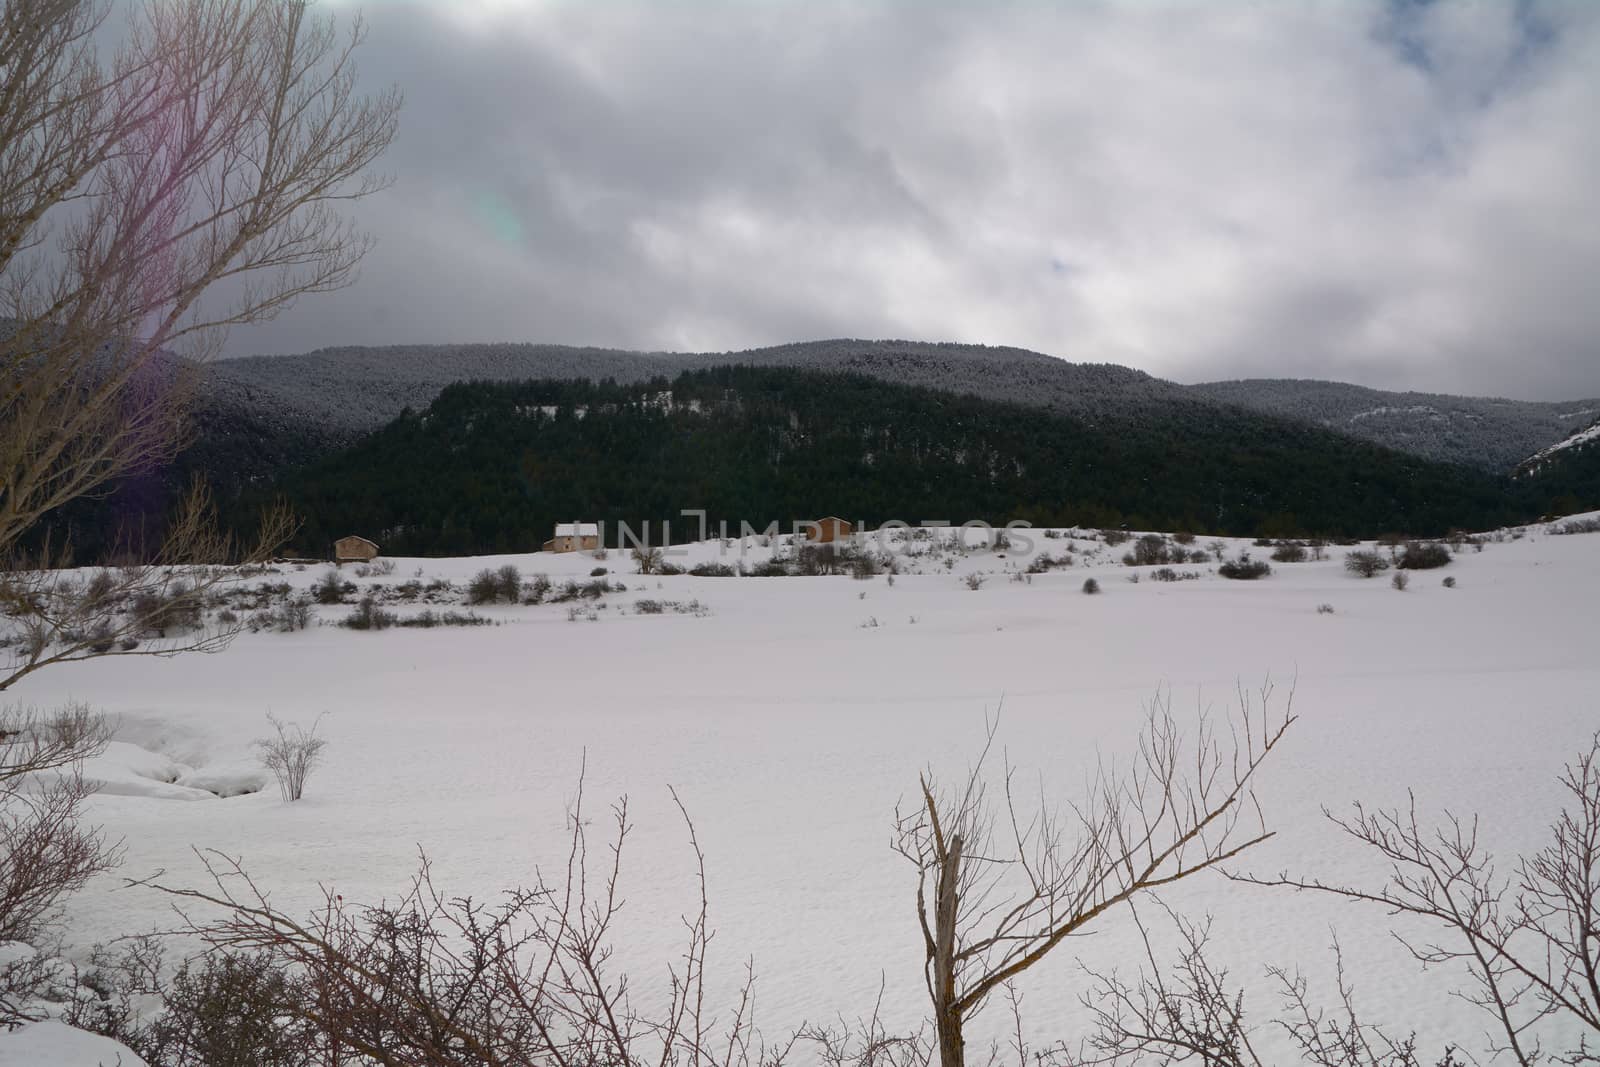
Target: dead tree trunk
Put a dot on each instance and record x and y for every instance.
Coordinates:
(947, 1009)
(1009, 885)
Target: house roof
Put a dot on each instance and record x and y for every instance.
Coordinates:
(357, 537)
(577, 529)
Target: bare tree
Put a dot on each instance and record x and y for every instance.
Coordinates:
(1009, 883)
(150, 202)
(1529, 939)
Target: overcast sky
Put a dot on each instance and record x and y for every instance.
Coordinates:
(1400, 194)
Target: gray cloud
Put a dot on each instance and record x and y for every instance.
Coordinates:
(1399, 194)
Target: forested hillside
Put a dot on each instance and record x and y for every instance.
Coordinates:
(1492, 433)
(492, 467)
(353, 390)
(1566, 474)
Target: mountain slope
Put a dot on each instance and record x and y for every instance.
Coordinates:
(346, 391)
(1567, 474)
(1486, 432)
(491, 467)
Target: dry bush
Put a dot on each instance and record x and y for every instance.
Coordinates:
(1365, 564)
(1191, 1011)
(46, 852)
(1528, 939)
(430, 980)
(1289, 552)
(291, 754)
(1244, 568)
(1423, 555)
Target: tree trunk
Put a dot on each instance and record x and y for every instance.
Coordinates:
(947, 1015)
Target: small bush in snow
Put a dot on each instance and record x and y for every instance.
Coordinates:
(1400, 580)
(1167, 574)
(294, 615)
(1572, 526)
(368, 616)
(598, 572)
(1114, 537)
(508, 584)
(1423, 556)
(974, 582)
(162, 613)
(291, 754)
(488, 586)
(1245, 569)
(865, 566)
(537, 589)
(1090, 586)
(1289, 552)
(712, 570)
(1183, 538)
(1149, 549)
(331, 589)
(1449, 583)
(1324, 609)
(1365, 564)
(428, 619)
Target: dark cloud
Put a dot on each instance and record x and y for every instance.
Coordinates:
(1394, 193)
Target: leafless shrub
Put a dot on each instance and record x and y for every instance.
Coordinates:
(45, 851)
(437, 981)
(1190, 1011)
(1365, 564)
(1529, 940)
(1401, 581)
(291, 754)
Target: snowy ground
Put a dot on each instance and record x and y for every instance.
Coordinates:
(795, 714)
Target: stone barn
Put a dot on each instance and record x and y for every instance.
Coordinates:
(354, 549)
(574, 537)
(828, 530)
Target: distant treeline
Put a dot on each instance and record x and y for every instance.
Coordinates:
(493, 467)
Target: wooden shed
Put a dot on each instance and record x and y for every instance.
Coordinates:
(574, 537)
(828, 530)
(354, 549)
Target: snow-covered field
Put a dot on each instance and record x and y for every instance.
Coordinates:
(794, 714)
